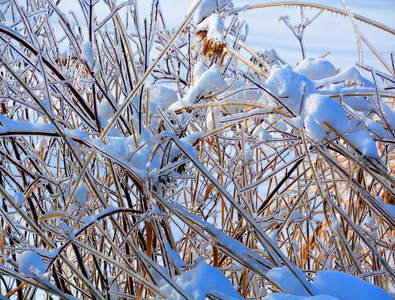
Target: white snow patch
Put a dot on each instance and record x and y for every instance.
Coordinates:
(325, 109)
(212, 80)
(124, 147)
(284, 82)
(280, 296)
(30, 262)
(198, 71)
(214, 27)
(389, 114)
(295, 215)
(18, 198)
(261, 133)
(114, 287)
(287, 281)
(345, 286)
(201, 280)
(388, 207)
(206, 8)
(162, 96)
(42, 143)
(174, 257)
(315, 69)
(349, 74)
(105, 110)
(87, 54)
(328, 285)
(364, 143)
(209, 81)
(80, 198)
(269, 56)
(213, 118)
(313, 129)
(247, 93)
(297, 122)
(192, 138)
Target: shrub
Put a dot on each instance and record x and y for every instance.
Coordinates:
(139, 161)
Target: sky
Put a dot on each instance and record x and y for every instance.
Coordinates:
(327, 33)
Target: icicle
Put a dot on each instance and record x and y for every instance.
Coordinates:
(357, 33)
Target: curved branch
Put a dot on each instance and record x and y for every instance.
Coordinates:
(328, 8)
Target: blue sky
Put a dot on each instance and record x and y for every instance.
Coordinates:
(328, 32)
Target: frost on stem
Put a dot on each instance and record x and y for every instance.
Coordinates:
(298, 30)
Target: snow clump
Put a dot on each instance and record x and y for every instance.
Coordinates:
(200, 281)
(206, 8)
(30, 263)
(327, 285)
(315, 69)
(210, 81)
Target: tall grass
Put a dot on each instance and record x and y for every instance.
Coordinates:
(106, 201)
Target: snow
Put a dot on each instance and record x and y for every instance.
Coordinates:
(345, 286)
(192, 138)
(15, 126)
(121, 145)
(327, 284)
(325, 109)
(301, 96)
(388, 207)
(214, 27)
(297, 122)
(91, 219)
(125, 149)
(105, 110)
(210, 81)
(114, 287)
(162, 96)
(175, 258)
(269, 56)
(349, 74)
(213, 118)
(12, 127)
(238, 91)
(358, 103)
(284, 82)
(47, 253)
(87, 54)
(113, 130)
(42, 143)
(315, 69)
(287, 281)
(280, 296)
(18, 198)
(364, 143)
(201, 280)
(313, 129)
(206, 8)
(198, 70)
(30, 262)
(297, 86)
(389, 114)
(80, 198)
(295, 215)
